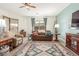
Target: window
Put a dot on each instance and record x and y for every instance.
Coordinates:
(11, 24)
(40, 25)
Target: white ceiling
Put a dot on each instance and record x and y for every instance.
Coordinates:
(43, 9)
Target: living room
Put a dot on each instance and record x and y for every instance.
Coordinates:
(39, 29)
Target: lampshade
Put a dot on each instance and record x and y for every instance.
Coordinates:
(2, 23)
(56, 25)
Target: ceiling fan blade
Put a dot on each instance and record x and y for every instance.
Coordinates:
(29, 4)
(32, 6)
(21, 6)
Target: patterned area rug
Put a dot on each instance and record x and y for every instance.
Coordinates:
(44, 49)
(33, 52)
(55, 51)
(48, 49)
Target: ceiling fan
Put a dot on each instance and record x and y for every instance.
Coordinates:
(27, 5)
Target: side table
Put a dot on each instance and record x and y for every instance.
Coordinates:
(56, 36)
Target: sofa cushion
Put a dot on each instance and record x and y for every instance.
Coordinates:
(48, 33)
(35, 33)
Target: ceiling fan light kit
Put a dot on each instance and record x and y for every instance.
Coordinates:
(27, 5)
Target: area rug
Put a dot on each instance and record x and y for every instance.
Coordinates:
(36, 50)
(33, 51)
(54, 51)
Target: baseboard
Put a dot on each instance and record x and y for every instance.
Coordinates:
(62, 41)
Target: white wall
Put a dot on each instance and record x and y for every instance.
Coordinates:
(50, 23)
(28, 24)
(23, 23)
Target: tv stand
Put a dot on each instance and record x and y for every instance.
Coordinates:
(72, 42)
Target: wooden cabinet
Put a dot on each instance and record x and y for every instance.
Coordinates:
(72, 42)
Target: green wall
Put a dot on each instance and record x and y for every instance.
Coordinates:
(64, 19)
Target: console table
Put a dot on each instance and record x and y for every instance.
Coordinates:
(8, 41)
(72, 42)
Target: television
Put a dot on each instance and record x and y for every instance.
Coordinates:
(75, 19)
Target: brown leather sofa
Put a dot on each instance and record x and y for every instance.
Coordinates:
(41, 37)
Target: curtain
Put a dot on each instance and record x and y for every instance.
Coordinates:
(45, 20)
(33, 23)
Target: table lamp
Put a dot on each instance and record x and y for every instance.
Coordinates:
(56, 25)
(56, 32)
